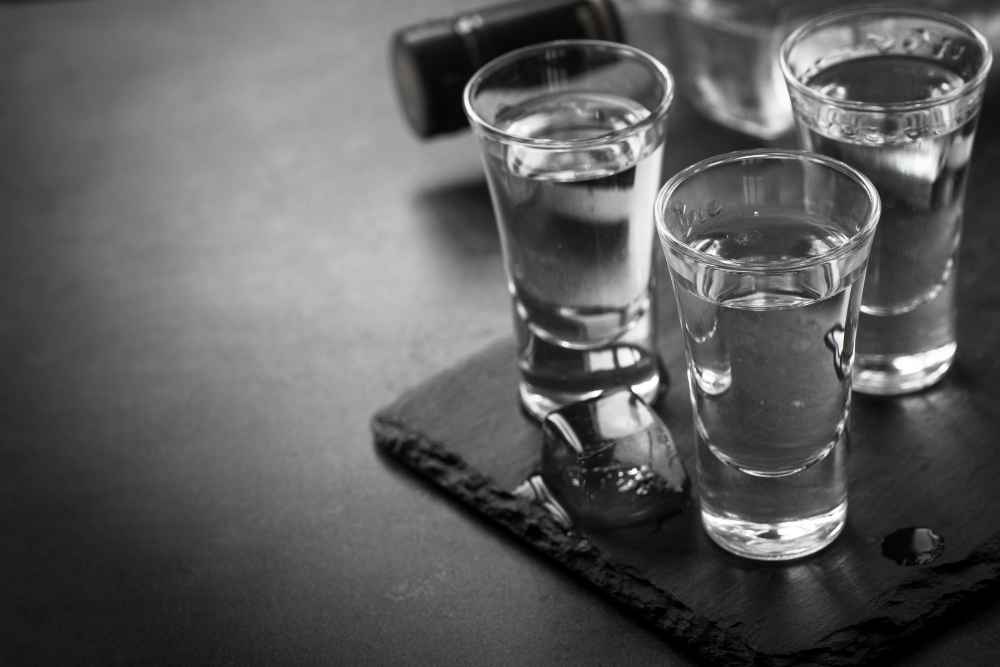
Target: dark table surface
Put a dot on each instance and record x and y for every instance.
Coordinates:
(222, 252)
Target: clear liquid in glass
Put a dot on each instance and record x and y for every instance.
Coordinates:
(906, 339)
(577, 229)
(769, 366)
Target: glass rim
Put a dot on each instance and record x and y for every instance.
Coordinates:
(797, 35)
(656, 115)
(865, 230)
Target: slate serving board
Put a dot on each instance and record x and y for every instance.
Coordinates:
(928, 459)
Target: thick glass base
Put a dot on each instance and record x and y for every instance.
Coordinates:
(773, 518)
(539, 402)
(891, 375)
(783, 540)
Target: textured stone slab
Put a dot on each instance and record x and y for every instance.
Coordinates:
(463, 433)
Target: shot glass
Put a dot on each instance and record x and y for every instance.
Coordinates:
(571, 136)
(767, 253)
(896, 93)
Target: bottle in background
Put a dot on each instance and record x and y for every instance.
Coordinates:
(723, 53)
(432, 61)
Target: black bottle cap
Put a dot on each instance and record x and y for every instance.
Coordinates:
(432, 61)
(431, 65)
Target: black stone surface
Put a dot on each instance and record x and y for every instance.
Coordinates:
(848, 604)
(927, 460)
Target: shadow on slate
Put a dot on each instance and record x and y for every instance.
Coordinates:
(925, 460)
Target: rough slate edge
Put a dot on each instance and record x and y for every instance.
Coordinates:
(911, 609)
